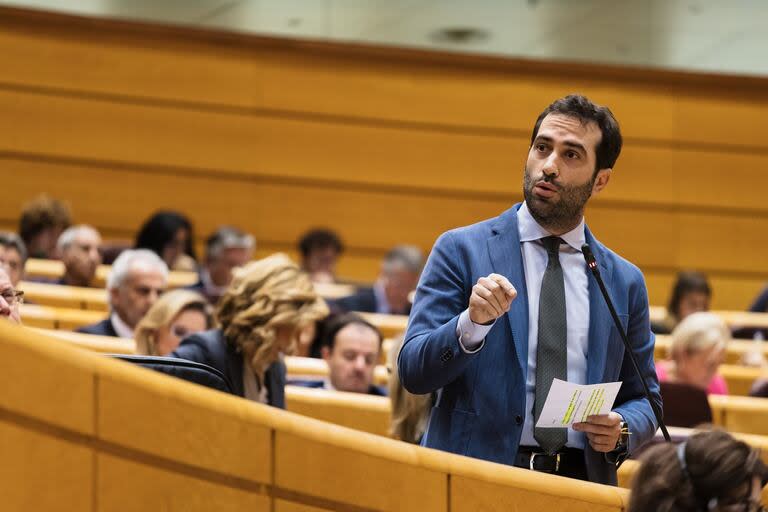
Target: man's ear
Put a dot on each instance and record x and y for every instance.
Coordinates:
(114, 295)
(325, 352)
(601, 181)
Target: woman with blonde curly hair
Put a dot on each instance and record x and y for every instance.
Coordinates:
(176, 315)
(261, 316)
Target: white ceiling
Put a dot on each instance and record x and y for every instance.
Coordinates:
(699, 35)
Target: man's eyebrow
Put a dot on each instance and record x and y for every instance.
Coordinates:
(542, 138)
(575, 145)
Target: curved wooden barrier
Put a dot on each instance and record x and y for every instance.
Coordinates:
(84, 432)
(54, 269)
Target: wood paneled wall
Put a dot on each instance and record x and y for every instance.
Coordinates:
(387, 146)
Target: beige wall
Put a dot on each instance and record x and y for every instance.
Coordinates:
(387, 146)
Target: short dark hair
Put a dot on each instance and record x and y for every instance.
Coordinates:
(581, 108)
(337, 322)
(688, 281)
(319, 238)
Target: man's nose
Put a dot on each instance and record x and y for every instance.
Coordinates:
(551, 167)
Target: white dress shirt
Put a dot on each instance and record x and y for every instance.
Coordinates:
(472, 336)
(121, 328)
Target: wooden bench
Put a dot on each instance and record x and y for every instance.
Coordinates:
(734, 350)
(733, 319)
(48, 317)
(95, 299)
(54, 269)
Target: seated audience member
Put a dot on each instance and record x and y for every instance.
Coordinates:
(79, 248)
(410, 413)
(711, 471)
(351, 348)
(10, 298)
(320, 249)
(176, 315)
(691, 293)
(169, 235)
(42, 221)
(225, 249)
(13, 256)
(399, 276)
(137, 279)
(697, 349)
(260, 316)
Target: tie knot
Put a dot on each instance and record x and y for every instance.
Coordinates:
(552, 244)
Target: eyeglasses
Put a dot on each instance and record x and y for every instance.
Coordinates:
(13, 297)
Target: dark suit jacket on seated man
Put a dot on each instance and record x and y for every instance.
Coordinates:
(137, 279)
(350, 346)
(497, 295)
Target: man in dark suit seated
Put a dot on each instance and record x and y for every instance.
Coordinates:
(225, 249)
(79, 247)
(399, 276)
(351, 347)
(137, 279)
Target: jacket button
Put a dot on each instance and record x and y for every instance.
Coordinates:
(519, 419)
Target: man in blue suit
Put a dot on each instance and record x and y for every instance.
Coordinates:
(507, 305)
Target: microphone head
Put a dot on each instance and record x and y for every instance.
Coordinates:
(589, 257)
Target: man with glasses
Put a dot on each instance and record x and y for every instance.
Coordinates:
(13, 256)
(10, 298)
(137, 279)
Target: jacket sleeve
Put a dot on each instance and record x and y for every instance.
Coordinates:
(632, 404)
(431, 356)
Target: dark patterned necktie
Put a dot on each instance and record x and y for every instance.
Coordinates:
(551, 352)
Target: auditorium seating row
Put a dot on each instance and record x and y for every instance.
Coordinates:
(96, 299)
(84, 432)
(371, 414)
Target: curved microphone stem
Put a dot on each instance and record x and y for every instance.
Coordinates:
(592, 264)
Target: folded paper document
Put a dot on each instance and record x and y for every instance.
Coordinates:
(569, 403)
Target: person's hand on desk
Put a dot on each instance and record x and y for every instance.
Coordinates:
(491, 297)
(603, 430)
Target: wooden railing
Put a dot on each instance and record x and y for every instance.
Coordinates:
(84, 432)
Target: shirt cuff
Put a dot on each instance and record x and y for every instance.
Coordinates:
(471, 335)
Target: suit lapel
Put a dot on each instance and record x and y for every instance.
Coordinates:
(600, 321)
(507, 260)
(235, 367)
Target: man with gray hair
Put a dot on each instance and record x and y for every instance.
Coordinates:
(137, 279)
(79, 247)
(225, 249)
(399, 276)
(13, 256)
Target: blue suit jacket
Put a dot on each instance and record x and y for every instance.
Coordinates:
(481, 404)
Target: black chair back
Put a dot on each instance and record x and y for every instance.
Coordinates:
(181, 368)
(685, 405)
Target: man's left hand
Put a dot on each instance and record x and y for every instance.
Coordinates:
(603, 430)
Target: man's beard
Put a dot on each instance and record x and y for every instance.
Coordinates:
(566, 213)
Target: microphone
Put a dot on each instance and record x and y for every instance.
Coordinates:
(592, 264)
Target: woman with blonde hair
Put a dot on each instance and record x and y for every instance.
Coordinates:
(176, 315)
(410, 412)
(697, 349)
(261, 315)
